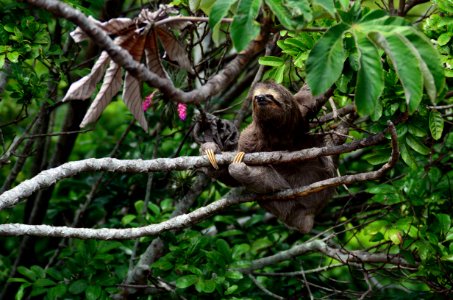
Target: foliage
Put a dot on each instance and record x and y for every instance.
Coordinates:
(388, 67)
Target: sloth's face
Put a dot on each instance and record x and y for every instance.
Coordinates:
(270, 105)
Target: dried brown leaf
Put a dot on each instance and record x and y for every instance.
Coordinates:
(131, 89)
(85, 86)
(132, 98)
(152, 56)
(112, 26)
(174, 48)
(110, 86)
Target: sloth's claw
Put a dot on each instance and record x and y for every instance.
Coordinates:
(211, 157)
(238, 158)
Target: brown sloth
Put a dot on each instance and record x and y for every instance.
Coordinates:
(280, 123)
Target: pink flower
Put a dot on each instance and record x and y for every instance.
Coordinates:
(182, 111)
(148, 102)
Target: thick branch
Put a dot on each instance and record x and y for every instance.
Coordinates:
(123, 58)
(202, 213)
(51, 176)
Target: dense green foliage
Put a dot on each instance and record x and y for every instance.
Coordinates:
(397, 68)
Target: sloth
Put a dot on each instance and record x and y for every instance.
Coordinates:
(280, 123)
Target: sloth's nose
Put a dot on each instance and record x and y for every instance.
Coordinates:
(261, 99)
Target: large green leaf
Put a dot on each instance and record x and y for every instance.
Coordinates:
(406, 64)
(219, 10)
(432, 61)
(327, 5)
(244, 27)
(280, 11)
(325, 62)
(370, 76)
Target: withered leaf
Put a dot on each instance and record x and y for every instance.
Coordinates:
(131, 90)
(140, 37)
(110, 86)
(152, 56)
(113, 26)
(85, 86)
(174, 48)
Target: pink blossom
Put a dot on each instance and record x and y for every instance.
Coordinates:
(148, 102)
(182, 111)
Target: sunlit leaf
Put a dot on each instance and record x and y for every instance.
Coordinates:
(416, 145)
(327, 5)
(244, 27)
(406, 65)
(219, 10)
(430, 57)
(272, 61)
(325, 62)
(370, 76)
(281, 12)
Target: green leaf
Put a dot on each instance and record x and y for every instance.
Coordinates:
(370, 76)
(244, 27)
(429, 62)
(42, 282)
(186, 281)
(154, 208)
(271, 61)
(407, 156)
(234, 275)
(20, 292)
(57, 291)
(327, 5)
(325, 61)
(13, 56)
(416, 130)
(223, 247)
(207, 286)
(93, 292)
(78, 287)
(139, 206)
(27, 273)
(232, 289)
(127, 219)
(377, 158)
(432, 59)
(436, 124)
(219, 10)
(279, 74)
(395, 236)
(406, 64)
(299, 8)
(2, 60)
(163, 264)
(282, 13)
(417, 145)
(444, 222)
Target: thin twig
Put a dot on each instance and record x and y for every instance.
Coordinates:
(266, 291)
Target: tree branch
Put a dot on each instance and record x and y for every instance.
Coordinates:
(186, 220)
(138, 70)
(51, 176)
(341, 255)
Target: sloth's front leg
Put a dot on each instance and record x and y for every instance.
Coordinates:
(257, 179)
